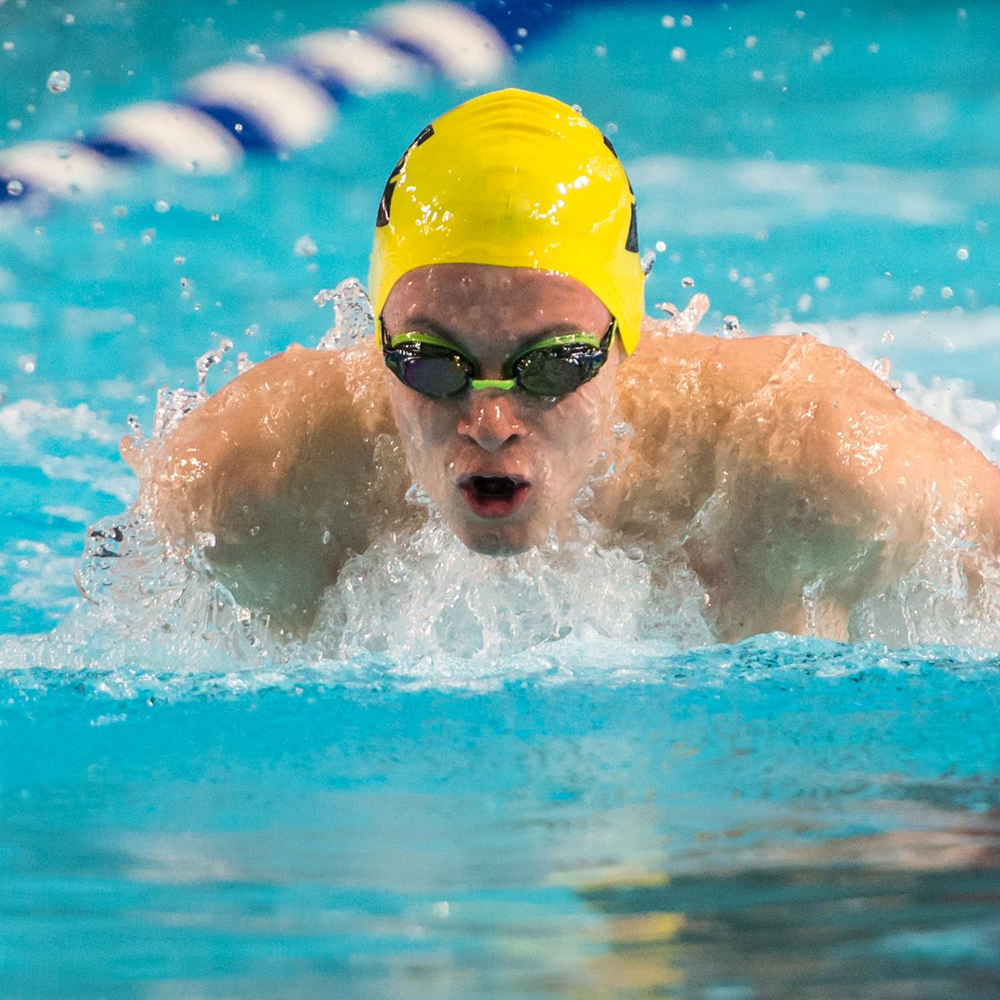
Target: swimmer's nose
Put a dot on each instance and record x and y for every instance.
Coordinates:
(490, 420)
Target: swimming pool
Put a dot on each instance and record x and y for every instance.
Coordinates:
(564, 803)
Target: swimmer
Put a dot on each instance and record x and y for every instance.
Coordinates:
(510, 345)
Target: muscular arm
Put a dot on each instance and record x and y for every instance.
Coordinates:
(280, 467)
(820, 486)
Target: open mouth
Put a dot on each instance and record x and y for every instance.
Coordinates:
(494, 496)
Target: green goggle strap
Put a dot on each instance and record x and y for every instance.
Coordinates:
(583, 339)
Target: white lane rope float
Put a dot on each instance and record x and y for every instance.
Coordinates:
(225, 112)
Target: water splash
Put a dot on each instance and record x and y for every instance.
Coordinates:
(354, 319)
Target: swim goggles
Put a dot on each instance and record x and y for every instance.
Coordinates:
(551, 368)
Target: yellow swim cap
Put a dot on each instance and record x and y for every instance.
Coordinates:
(519, 180)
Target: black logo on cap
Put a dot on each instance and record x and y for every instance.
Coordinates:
(382, 219)
(632, 239)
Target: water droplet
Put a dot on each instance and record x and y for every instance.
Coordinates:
(97, 226)
(873, 48)
(600, 51)
(800, 14)
(962, 253)
(731, 328)
(750, 41)
(734, 275)
(982, 228)
(882, 367)
(917, 292)
(255, 530)
(947, 292)
(805, 302)
(69, 19)
(243, 363)
(647, 261)
(147, 236)
(678, 54)
(757, 74)
(238, 127)
(821, 52)
(822, 282)
(214, 217)
(667, 21)
(687, 282)
(14, 125)
(58, 81)
(8, 46)
(204, 540)
(119, 212)
(14, 188)
(667, 307)
(252, 330)
(305, 246)
(888, 337)
(686, 21)
(660, 246)
(522, 32)
(161, 206)
(207, 360)
(415, 494)
(180, 260)
(27, 363)
(326, 536)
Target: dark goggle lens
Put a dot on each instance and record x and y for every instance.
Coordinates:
(433, 375)
(558, 372)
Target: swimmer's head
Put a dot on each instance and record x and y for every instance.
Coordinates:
(508, 222)
(513, 179)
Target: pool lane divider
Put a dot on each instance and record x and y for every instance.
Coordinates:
(276, 108)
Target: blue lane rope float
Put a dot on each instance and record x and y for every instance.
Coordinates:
(225, 112)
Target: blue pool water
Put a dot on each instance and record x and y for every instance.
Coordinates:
(625, 811)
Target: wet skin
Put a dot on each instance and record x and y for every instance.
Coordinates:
(796, 481)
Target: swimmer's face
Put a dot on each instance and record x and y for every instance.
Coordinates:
(502, 467)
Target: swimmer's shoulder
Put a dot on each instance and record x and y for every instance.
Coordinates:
(286, 427)
(694, 381)
(283, 470)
